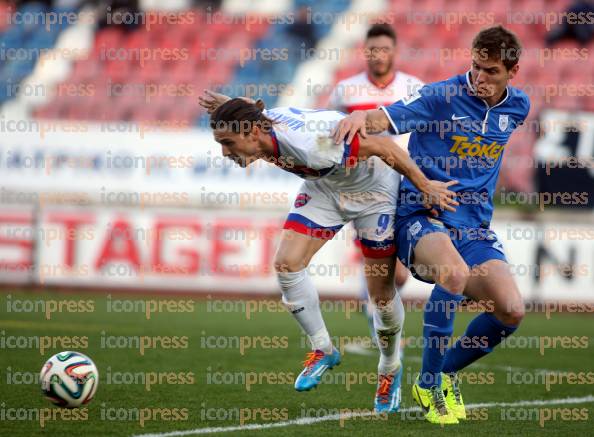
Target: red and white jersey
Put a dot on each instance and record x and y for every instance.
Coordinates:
(303, 145)
(337, 188)
(359, 92)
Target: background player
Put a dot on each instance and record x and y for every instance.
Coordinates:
(337, 189)
(464, 121)
(381, 84)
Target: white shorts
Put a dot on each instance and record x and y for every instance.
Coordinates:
(320, 212)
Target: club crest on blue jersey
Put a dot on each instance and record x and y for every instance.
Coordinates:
(503, 122)
(474, 135)
(302, 199)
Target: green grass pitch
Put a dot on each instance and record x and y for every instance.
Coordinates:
(206, 357)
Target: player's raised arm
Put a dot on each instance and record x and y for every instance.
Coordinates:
(211, 100)
(373, 121)
(401, 117)
(435, 192)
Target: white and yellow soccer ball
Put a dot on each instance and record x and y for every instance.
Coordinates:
(69, 379)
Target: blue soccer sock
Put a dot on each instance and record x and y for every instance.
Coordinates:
(438, 325)
(482, 334)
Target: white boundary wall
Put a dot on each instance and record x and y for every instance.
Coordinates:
(218, 223)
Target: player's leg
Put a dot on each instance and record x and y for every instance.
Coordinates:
(426, 246)
(436, 259)
(376, 235)
(388, 322)
(388, 312)
(400, 278)
(302, 237)
(401, 275)
(492, 285)
(301, 298)
(366, 304)
(298, 291)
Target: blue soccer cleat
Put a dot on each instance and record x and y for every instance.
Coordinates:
(387, 396)
(316, 363)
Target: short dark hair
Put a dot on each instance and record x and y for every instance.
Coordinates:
(239, 116)
(497, 42)
(381, 29)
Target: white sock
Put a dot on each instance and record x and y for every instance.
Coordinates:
(302, 300)
(388, 321)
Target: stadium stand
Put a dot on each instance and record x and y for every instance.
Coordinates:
(121, 84)
(438, 56)
(22, 42)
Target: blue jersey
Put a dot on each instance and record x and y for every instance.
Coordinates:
(456, 135)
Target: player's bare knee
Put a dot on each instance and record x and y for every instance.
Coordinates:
(400, 277)
(455, 277)
(284, 264)
(513, 315)
(382, 294)
(512, 311)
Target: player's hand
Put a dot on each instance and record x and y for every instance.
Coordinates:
(437, 193)
(349, 126)
(211, 100)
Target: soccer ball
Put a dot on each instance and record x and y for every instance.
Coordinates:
(69, 379)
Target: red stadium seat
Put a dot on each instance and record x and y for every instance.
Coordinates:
(109, 37)
(401, 6)
(139, 39)
(86, 69)
(118, 71)
(6, 10)
(589, 104)
(462, 7)
(182, 114)
(150, 72)
(258, 27)
(49, 111)
(185, 71)
(159, 23)
(146, 113)
(529, 5)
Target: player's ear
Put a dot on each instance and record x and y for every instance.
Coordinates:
(256, 129)
(513, 71)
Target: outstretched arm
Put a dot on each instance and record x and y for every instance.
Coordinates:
(435, 192)
(211, 100)
(403, 116)
(373, 121)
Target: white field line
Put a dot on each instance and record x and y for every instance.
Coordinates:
(331, 417)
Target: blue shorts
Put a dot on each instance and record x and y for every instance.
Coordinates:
(475, 245)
